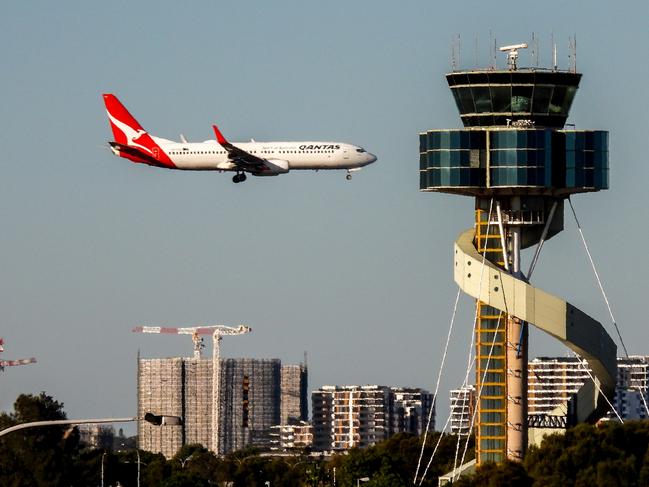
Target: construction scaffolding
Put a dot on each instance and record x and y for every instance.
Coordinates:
(198, 402)
(294, 394)
(160, 391)
(250, 401)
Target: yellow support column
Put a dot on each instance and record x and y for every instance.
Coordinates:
(491, 361)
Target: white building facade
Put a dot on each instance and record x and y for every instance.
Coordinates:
(359, 416)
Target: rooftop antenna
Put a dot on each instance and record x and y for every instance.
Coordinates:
(459, 50)
(512, 55)
(572, 42)
(453, 56)
(535, 50)
(494, 53)
(554, 53)
(491, 66)
(475, 49)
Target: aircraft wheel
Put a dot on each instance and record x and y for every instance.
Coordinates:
(242, 177)
(235, 178)
(348, 177)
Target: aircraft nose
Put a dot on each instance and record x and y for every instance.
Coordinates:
(370, 158)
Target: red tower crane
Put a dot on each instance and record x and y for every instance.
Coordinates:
(12, 363)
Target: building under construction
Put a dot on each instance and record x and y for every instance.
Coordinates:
(295, 408)
(251, 395)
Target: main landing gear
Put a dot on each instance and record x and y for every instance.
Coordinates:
(240, 177)
(349, 176)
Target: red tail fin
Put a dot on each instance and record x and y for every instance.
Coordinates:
(125, 127)
(128, 132)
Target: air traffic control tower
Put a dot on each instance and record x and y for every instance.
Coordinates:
(520, 164)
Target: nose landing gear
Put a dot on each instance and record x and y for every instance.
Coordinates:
(240, 177)
(349, 176)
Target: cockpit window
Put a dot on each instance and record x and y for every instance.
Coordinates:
(360, 150)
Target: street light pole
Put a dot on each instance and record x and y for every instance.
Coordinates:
(151, 418)
(102, 468)
(163, 420)
(58, 422)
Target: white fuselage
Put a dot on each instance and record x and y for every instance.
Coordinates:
(211, 156)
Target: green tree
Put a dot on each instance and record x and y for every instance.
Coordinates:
(39, 456)
(612, 454)
(196, 460)
(156, 470)
(394, 461)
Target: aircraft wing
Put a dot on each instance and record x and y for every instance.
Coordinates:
(245, 160)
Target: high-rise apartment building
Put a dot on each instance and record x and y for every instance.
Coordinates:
(462, 409)
(632, 391)
(361, 416)
(410, 409)
(553, 380)
(292, 437)
(250, 398)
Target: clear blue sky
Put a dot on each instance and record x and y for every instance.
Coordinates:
(358, 274)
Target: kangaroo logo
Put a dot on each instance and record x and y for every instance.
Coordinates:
(131, 134)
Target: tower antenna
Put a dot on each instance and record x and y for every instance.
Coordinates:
(453, 56)
(573, 52)
(535, 50)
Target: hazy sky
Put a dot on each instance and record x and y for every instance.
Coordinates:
(358, 274)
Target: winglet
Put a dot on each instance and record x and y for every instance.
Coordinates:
(219, 136)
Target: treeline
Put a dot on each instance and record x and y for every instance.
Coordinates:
(53, 456)
(613, 455)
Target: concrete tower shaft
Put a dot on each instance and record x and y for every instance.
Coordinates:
(517, 161)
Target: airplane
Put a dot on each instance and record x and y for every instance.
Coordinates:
(257, 158)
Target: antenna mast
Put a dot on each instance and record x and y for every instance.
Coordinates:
(572, 41)
(453, 57)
